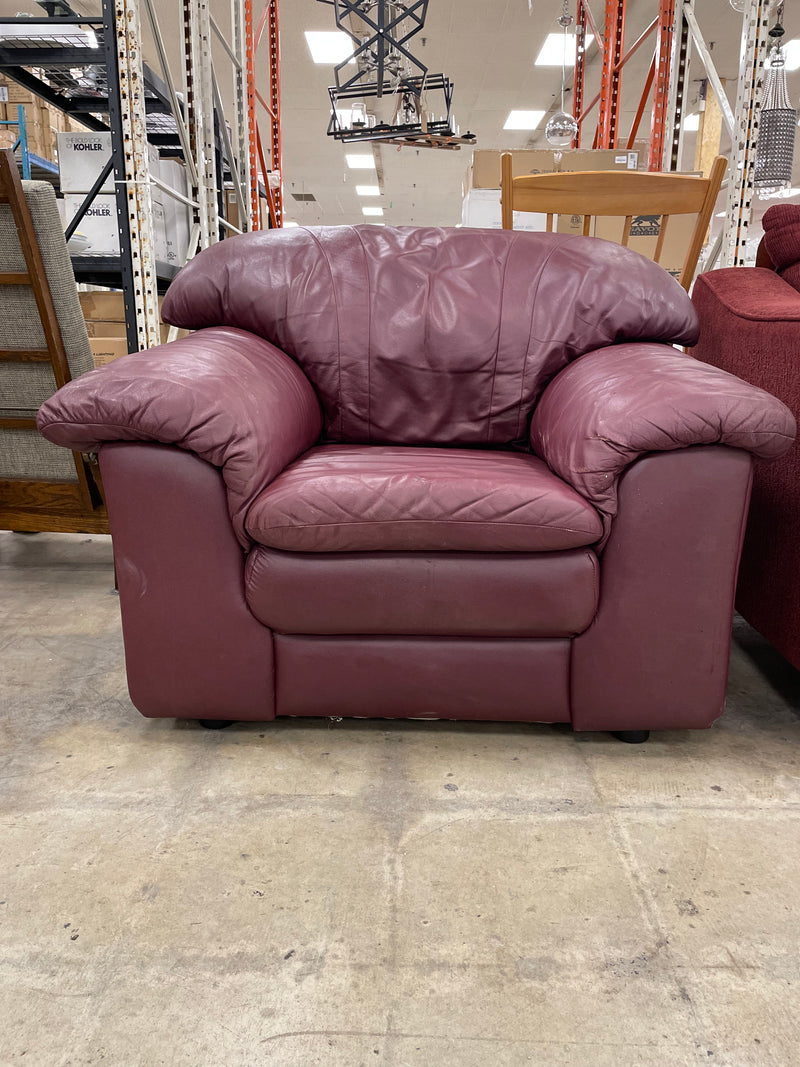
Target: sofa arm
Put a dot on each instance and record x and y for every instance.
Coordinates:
(230, 397)
(611, 406)
(749, 293)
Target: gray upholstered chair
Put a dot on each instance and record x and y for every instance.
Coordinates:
(43, 344)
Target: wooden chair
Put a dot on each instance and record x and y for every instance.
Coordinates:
(43, 344)
(618, 194)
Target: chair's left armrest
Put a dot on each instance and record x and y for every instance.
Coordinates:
(611, 406)
(232, 398)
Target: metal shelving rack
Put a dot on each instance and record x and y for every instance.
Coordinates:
(109, 87)
(677, 34)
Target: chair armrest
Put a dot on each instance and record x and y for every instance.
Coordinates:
(228, 396)
(611, 406)
(752, 293)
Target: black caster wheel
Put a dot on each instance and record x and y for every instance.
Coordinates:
(632, 737)
(215, 724)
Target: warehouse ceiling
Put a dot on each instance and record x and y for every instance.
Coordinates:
(487, 49)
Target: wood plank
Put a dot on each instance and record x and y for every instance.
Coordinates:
(24, 355)
(617, 193)
(506, 192)
(10, 277)
(44, 522)
(30, 495)
(662, 233)
(17, 423)
(626, 231)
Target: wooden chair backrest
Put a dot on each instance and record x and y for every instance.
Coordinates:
(624, 193)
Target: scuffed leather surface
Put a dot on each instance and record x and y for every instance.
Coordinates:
(457, 594)
(610, 407)
(346, 498)
(423, 678)
(193, 650)
(228, 396)
(656, 656)
(429, 336)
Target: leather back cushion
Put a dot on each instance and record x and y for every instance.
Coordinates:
(782, 240)
(429, 336)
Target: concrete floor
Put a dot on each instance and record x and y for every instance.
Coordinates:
(371, 893)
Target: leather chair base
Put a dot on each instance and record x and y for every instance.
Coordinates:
(503, 680)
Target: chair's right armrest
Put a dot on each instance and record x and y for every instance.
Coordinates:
(750, 326)
(232, 398)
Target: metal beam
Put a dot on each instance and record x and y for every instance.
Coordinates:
(613, 45)
(753, 52)
(123, 45)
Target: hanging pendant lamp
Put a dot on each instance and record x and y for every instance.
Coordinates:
(562, 129)
(776, 125)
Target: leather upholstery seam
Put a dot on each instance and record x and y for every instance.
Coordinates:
(499, 335)
(369, 338)
(324, 254)
(526, 361)
(446, 522)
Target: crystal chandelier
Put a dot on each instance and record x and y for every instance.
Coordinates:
(776, 125)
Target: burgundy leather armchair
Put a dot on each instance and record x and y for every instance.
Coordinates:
(425, 473)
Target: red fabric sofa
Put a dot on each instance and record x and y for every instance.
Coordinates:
(425, 473)
(750, 326)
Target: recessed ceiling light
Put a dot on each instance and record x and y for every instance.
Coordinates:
(368, 190)
(551, 53)
(360, 162)
(372, 211)
(791, 53)
(330, 46)
(691, 122)
(523, 120)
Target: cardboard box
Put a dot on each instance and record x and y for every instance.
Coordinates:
(99, 225)
(105, 305)
(107, 349)
(99, 329)
(481, 208)
(82, 156)
(177, 223)
(484, 171)
(645, 230)
(104, 313)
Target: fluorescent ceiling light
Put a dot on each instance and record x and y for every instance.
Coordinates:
(791, 52)
(551, 53)
(368, 190)
(360, 162)
(330, 46)
(523, 120)
(692, 122)
(372, 211)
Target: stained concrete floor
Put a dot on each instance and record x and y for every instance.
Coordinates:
(372, 893)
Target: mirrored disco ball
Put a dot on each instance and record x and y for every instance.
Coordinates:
(561, 130)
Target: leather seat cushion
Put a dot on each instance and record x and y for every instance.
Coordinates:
(352, 498)
(455, 594)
